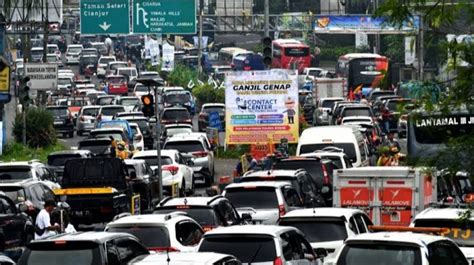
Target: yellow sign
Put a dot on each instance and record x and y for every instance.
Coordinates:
(136, 205)
(5, 79)
(78, 191)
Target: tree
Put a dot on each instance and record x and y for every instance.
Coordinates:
(444, 17)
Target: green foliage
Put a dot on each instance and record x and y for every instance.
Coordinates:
(39, 128)
(233, 151)
(19, 152)
(394, 47)
(181, 75)
(206, 93)
(333, 53)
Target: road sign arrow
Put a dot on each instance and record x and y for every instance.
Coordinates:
(105, 26)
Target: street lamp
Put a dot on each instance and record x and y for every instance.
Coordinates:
(155, 83)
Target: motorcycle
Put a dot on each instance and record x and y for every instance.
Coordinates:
(88, 72)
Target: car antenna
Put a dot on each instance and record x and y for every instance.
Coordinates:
(314, 208)
(168, 256)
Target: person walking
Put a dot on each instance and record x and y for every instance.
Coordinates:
(43, 227)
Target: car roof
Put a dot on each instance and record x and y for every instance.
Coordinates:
(151, 219)
(192, 201)
(323, 212)
(97, 237)
(175, 108)
(111, 106)
(19, 183)
(213, 105)
(271, 230)
(107, 129)
(132, 162)
(70, 152)
(164, 152)
(181, 258)
(274, 173)
(441, 213)
(402, 237)
(270, 184)
(31, 163)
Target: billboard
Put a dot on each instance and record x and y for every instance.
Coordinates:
(25, 10)
(261, 106)
(42, 76)
(367, 24)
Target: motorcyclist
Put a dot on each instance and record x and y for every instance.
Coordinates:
(246, 163)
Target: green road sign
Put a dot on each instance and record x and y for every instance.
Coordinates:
(105, 17)
(164, 16)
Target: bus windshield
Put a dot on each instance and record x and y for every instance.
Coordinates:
(366, 71)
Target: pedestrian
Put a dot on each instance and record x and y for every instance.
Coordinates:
(391, 142)
(385, 113)
(43, 227)
(363, 100)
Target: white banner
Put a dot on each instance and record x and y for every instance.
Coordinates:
(410, 50)
(261, 106)
(154, 52)
(361, 39)
(42, 76)
(204, 42)
(168, 57)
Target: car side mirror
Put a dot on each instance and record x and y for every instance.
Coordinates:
(22, 208)
(321, 252)
(246, 217)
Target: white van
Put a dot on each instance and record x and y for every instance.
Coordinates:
(348, 138)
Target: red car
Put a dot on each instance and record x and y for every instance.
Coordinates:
(116, 85)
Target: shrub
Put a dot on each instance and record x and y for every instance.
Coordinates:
(181, 75)
(206, 93)
(39, 128)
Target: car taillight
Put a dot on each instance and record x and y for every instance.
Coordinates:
(278, 261)
(164, 249)
(281, 210)
(325, 175)
(188, 120)
(374, 136)
(200, 154)
(171, 168)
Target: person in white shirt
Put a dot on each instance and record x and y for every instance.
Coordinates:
(43, 227)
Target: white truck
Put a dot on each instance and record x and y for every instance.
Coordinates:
(389, 195)
(328, 88)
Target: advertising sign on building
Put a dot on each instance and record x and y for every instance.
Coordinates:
(42, 76)
(261, 106)
(410, 50)
(168, 57)
(366, 23)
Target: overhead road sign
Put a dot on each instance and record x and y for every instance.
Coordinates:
(105, 17)
(164, 16)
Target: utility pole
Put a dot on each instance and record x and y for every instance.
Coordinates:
(201, 11)
(266, 11)
(46, 29)
(377, 36)
(158, 144)
(421, 59)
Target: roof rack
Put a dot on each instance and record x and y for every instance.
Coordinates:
(215, 198)
(427, 230)
(450, 205)
(330, 149)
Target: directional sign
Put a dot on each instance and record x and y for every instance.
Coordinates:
(164, 16)
(105, 17)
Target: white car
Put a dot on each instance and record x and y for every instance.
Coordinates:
(140, 90)
(356, 120)
(161, 232)
(86, 119)
(22, 170)
(459, 231)
(73, 53)
(336, 155)
(107, 112)
(387, 248)
(327, 227)
(175, 170)
(179, 258)
(102, 65)
(128, 102)
(138, 142)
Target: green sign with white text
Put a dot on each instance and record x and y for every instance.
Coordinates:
(164, 16)
(105, 17)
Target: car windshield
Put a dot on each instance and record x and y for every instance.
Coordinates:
(379, 253)
(185, 146)
(141, 88)
(89, 60)
(173, 131)
(116, 66)
(455, 228)
(105, 101)
(117, 136)
(150, 236)
(329, 103)
(253, 197)
(112, 111)
(75, 50)
(16, 194)
(52, 49)
(60, 160)
(106, 60)
(58, 111)
(176, 115)
(214, 109)
(129, 101)
(397, 105)
(247, 248)
(115, 80)
(349, 149)
(127, 72)
(64, 255)
(319, 230)
(64, 81)
(90, 111)
(313, 167)
(356, 112)
(177, 98)
(204, 216)
(52, 59)
(77, 102)
(153, 161)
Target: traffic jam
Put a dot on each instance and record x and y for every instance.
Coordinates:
(253, 157)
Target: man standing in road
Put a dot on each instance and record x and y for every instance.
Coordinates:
(43, 227)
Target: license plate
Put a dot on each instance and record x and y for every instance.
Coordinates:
(58, 122)
(81, 213)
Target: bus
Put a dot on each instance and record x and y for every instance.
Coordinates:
(363, 71)
(228, 54)
(290, 54)
(427, 134)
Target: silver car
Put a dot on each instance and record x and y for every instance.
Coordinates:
(86, 119)
(323, 109)
(197, 145)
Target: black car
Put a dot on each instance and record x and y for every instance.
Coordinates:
(63, 120)
(84, 248)
(176, 115)
(144, 182)
(98, 146)
(29, 192)
(57, 160)
(16, 227)
(88, 60)
(209, 212)
(204, 115)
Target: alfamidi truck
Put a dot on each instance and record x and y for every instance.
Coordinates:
(391, 196)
